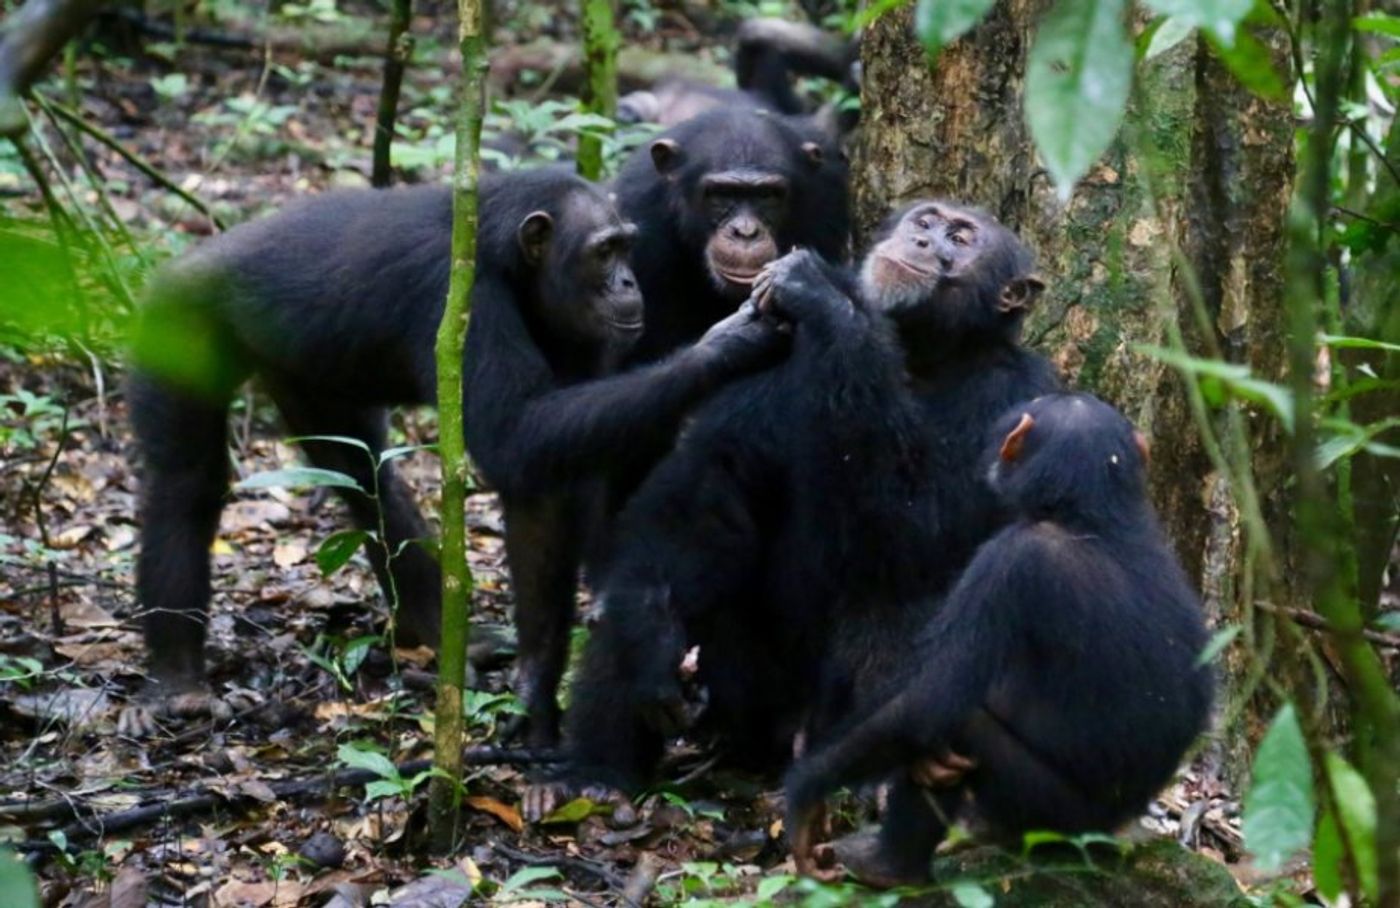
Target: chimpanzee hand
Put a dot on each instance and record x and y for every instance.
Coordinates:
(795, 288)
(744, 337)
(673, 704)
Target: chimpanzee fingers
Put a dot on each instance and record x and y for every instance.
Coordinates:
(137, 720)
(943, 770)
(542, 799)
(802, 836)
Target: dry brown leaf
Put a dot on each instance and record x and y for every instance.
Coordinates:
(286, 554)
(503, 812)
(70, 537)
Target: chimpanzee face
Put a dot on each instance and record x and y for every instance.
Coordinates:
(585, 286)
(937, 247)
(743, 210)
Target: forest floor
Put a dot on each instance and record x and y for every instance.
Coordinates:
(245, 132)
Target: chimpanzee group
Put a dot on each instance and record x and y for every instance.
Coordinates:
(837, 519)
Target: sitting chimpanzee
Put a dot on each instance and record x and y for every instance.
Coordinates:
(1064, 662)
(767, 54)
(334, 304)
(715, 199)
(836, 493)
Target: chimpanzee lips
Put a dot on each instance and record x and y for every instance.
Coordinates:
(737, 277)
(916, 270)
(626, 324)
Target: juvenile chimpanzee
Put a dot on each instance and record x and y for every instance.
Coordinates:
(334, 304)
(809, 514)
(1063, 663)
(768, 52)
(715, 199)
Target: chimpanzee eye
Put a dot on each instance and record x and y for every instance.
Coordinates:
(958, 237)
(922, 223)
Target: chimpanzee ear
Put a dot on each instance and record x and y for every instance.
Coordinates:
(1020, 294)
(666, 155)
(1011, 447)
(814, 154)
(533, 234)
(1144, 448)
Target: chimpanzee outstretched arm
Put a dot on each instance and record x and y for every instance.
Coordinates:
(532, 435)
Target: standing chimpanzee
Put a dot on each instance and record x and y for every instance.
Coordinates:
(767, 54)
(1064, 662)
(715, 199)
(809, 513)
(334, 303)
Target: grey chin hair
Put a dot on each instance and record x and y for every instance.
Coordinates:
(883, 299)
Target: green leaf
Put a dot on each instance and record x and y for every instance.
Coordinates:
(356, 652)
(1327, 857)
(770, 886)
(1219, 16)
(872, 12)
(383, 788)
(1388, 621)
(1338, 341)
(1378, 23)
(1249, 61)
(1168, 34)
(527, 875)
(1218, 641)
(971, 895)
(348, 440)
(370, 760)
(1354, 803)
(17, 888)
(338, 548)
(298, 478)
(1077, 80)
(389, 454)
(576, 811)
(939, 23)
(1217, 378)
(1279, 807)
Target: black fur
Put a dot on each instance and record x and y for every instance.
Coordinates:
(1063, 662)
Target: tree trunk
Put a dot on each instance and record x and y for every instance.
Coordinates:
(1202, 167)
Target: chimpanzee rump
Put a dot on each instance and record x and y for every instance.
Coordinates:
(834, 493)
(334, 304)
(1063, 663)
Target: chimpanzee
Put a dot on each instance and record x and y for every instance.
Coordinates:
(334, 304)
(715, 199)
(810, 514)
(767, 54)
(1063, 663)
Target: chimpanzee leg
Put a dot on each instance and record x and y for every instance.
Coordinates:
(542, 550)
(412, 573)
(915, 821)
(183, 442)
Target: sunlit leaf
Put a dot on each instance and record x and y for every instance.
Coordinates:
(369, 760)
(1167, 34)
(1218, 379)
(874, 11)
(17, 887)
(299, 478)
(1078, 76)
(770, 886)
(1279, 806)
(1378, 23)
(338, 548)
(1218, 641)
(1340, 341)
(576, 811)
(527, 875)
(971, 895)
(938, 23)
(1249, 62)
(1355, 805)
(1220, 16)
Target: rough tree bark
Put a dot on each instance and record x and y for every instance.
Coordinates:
(1202, 167)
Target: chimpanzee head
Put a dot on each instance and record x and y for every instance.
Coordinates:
(744, 186)
(573, 246)
(952, 268)
(1067, 455)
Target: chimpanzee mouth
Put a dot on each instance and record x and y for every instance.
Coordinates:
(630, 326)
(921, 273)
(743, 278)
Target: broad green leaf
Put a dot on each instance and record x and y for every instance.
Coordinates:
(1355, 805)
(971, 895)
(356, 651)
(1078, 76)
(17, 888)
(338, 548)
(1168, 34)
(1219, 16)
(299, 478)
(1218, 641)
(1219, 379)
(1378, 23)
(382, 788)
(370, 760)
(1249, 61)
(1279, 807)
(527, 875)
(770, 886)
(939, 23)
(874, 11)
(1327, 857)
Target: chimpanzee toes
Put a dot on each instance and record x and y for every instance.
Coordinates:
(137, 720)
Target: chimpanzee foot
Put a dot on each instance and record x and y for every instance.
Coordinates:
(143, 717)
(866, 859)
(543, 798)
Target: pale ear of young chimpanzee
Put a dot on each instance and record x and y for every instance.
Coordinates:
(1016, 439)
(534, 234)
(1020, 294)
(666, 156)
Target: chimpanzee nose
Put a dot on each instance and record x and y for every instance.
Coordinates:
(629, 284)
(921, 242)
(744, 230)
